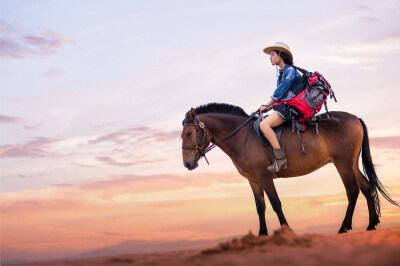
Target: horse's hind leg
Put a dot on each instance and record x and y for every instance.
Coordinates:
(260, 205)
(368, 192)
(347, 173)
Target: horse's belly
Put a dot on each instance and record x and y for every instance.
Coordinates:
(300, 171)
(316, 147)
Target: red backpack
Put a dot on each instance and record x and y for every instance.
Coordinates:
(311, 92)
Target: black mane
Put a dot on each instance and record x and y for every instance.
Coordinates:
(223, 108)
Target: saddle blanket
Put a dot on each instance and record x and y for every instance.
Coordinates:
(277, 130)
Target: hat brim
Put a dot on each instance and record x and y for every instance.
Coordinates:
(269, 49)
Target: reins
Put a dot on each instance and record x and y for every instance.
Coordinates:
(242, 125)
(198, 124)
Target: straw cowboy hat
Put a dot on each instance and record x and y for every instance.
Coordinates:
(280, 46)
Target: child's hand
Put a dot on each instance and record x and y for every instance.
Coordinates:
(265, 108)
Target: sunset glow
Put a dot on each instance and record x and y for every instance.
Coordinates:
(93, 94)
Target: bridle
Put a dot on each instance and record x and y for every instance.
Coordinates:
(200, 125)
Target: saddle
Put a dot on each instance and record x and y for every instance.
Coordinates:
(260, 135)
(296, 127)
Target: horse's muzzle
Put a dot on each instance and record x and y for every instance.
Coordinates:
(191, 165)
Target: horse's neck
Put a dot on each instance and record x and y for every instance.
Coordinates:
(220, 126)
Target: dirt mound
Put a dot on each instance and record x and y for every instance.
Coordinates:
(282, 237)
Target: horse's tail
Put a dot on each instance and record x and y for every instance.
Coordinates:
(369, 171)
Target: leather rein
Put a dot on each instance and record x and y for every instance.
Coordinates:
(200, 126)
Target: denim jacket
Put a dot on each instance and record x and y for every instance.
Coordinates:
(285, 82)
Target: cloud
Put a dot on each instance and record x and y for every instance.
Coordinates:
(139, 188)
(347, 60)
(14, 120)
(10, 120)
(63, 185)
(110, 161)
(364, 52)
(121, 136)
(138, 135)
(17, 43)
(390, 142)
(32, 149)
(25, 176)
(28, 127)
(32, 204)
(363, 8)
(164, 136)
(97, 127)
(54, 72)
(134, 184)
(84, 165)
(386, 45)
(18, 100)
(371, 19)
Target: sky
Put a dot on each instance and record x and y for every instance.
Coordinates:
(93, 94)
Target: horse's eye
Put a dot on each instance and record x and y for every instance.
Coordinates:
(189, 134)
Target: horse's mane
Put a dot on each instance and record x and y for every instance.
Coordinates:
(223, 108)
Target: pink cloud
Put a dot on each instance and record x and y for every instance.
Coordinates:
(165, 136)
(371, 19)
(391, 142)
(105, 125)
(18, 100)
(33, 149)
(9, 120)
(84, 165)
(15, 43)
(363, 8)
(29, 127)
(54, 72)
(32, 205)
(25, 176)
(122, 184)
(121, 136)
(110, 161)
(138, 135)
(14, 120)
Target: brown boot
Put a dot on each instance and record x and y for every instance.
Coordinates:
(279, 160)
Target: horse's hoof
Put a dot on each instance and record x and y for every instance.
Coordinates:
(344, 229)
(370, 228)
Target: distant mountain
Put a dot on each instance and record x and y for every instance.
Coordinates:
(135, 247)
(14, 262)
(144, 246)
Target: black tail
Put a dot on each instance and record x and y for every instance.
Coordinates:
(369, 171)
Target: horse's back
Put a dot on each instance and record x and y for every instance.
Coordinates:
(340, 138)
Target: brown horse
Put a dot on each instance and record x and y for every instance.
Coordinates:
(341, 139)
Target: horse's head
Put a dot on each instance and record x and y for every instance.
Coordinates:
(195, 140)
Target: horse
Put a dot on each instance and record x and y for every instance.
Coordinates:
(342, 138)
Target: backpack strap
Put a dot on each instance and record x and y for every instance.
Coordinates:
(296, 126)
(303, 71)
(284, 70)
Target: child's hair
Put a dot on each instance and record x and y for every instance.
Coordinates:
(287, 58)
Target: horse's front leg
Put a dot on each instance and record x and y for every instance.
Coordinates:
(269, 187)
(260, 204)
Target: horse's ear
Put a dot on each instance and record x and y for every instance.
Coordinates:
(192, 114)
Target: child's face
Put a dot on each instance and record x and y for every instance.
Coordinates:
(274, 58)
